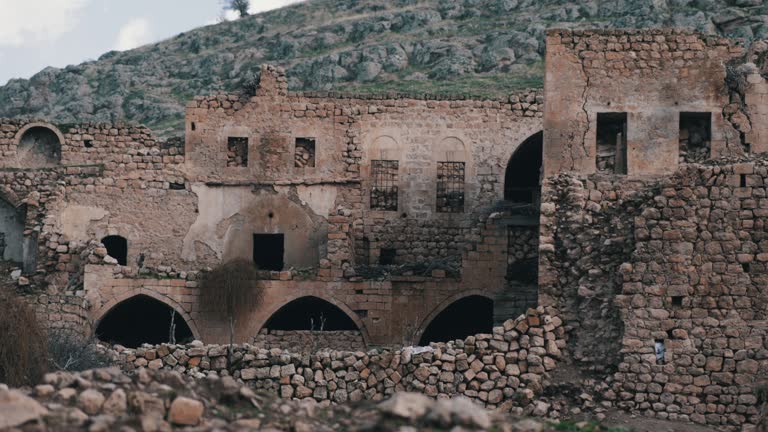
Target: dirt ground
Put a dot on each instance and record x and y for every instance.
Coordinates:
(644, 424)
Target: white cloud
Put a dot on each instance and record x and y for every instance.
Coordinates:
(133, 34)
(256, 7)
(27, 21)
(265, 5)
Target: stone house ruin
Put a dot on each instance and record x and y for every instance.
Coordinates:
(633, 201)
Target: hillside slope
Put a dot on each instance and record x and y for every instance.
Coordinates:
(478, 47)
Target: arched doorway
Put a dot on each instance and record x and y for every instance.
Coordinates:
(142, 319)
(522, 195)
(310, 313)
(522, 180)
(38, 146)
(465, 317)
(117, 248)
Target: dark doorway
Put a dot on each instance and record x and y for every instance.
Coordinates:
(269, 251)
(142, 319)
(468, 316)
(117, 248)
(522, 179)
(387, 256)
(310, 313)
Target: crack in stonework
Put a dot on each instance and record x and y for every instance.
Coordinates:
(584, 106)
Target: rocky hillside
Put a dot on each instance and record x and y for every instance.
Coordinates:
(478, 47)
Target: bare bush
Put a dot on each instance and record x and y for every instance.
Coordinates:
(69, 351)
(23, 357)
(240, 6)
(229, 291)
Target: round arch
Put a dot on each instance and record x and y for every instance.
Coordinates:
(114, 301)
(38, 144)
(28, 126)
(443, 305)
(264, 317)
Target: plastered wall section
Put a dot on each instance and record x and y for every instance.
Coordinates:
(652, 76)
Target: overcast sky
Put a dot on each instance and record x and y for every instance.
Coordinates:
(39, 33)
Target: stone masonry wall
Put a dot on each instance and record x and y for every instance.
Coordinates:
(505, 369)
(309, 341)
(678, 262)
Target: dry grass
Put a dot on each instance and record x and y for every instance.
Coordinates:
(23, 349)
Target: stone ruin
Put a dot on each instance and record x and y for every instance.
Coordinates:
(626, 200)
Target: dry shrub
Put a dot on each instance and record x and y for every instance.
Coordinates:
(230, 290)
(69, 351)
(23, 351)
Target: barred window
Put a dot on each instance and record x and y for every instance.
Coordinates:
(384, 176)
(450, 187)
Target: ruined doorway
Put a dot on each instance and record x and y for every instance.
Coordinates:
(465, 317)
(142, 319)
(269, 251)
(310, 313)
(38, 147)
(611, 143)
(11, 232)
(117, 248)
(523, 175)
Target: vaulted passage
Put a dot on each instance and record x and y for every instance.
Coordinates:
(142, 319)
(117, 248)
(465, 317)
(521, 181)
(310, 313)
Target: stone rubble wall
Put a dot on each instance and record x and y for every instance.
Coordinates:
(680, 261)
(309, 341)
(505, 369)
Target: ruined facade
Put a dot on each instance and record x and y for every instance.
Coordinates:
(633, 202)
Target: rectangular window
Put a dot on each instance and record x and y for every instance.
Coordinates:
(237, 152)
(268, 251)
(384, 189)
(695, 136)
(612, 143)
(450, 187)
(387, 256)
(304, 155)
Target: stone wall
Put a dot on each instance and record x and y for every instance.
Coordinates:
(677, 262)
(309, 341)
(652, 76)
(504, 369)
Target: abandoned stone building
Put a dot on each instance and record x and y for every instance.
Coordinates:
(633, 201)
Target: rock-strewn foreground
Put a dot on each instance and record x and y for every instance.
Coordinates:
(478, 47)
(108, 400)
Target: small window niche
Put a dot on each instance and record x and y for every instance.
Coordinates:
(612, 143)
(304, 156)
(695, 136)
(387, 256)
(117, 248)
(269, 251)
(237, 152)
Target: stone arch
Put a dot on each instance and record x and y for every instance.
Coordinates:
(267, 313)
(102, 312)
(445, 304)
(450, 149)
(385, 147)
(522, 178)
(38, 144)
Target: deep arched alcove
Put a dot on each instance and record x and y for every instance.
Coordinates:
(39, 146)
(464, 317)
(142, 319)
(310, 313)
